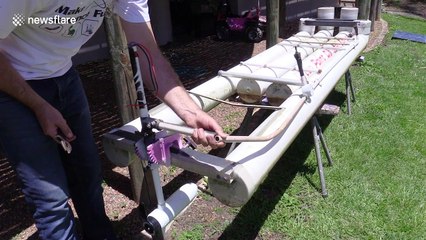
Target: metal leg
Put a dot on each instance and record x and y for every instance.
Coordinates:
(318, 137)
(148, 201)
(350, 92)
(323, 142)
(155, 230)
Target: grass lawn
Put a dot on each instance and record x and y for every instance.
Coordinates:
(377, 184)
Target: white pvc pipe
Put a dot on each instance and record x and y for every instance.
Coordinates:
(221, 87)
(276, 93)
(256, 159)
(175, 204)
(217, 87)
(252, 91)
(325, 13)
(224, 87)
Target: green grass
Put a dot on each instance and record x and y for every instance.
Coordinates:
(377, 184)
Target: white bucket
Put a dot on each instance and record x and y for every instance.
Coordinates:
(325, 13)
(348, 13)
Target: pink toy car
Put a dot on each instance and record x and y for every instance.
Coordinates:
(251, 24)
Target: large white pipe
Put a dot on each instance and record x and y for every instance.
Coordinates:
(217, 87)
(162, 216)
(252, 91)
(279, 92)
(220, 87)
(255, 159)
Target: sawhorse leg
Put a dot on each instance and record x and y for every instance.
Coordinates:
(350, 92)
(319, 138)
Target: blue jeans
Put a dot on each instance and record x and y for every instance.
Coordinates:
(49, 175)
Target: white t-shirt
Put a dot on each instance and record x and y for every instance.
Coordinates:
(40, 37)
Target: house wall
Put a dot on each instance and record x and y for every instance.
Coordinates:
(290, 9)
(242, 6)
(296, 9)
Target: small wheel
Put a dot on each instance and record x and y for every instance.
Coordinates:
(254, 34)
(222, 33)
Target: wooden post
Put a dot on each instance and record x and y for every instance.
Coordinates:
(379, 10)
(124, 88)
(273, 22)
(373, 13)
(364, 9)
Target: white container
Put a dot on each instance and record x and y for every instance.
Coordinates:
(348, 13)
(325, 13)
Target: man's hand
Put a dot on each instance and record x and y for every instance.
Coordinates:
(14, 85)
(201, 121)
(51, 120)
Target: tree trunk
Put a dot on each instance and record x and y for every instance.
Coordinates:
(273, 22)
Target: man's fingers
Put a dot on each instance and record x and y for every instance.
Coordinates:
(200, 137)
(51, 132)
(66, 131)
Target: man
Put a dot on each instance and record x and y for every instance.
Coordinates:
(41, 96)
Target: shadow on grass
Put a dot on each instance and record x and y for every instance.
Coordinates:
(254, 213)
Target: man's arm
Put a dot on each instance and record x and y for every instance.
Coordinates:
(14, 85)
(170, 89)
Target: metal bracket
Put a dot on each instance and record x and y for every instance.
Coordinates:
(334, 23)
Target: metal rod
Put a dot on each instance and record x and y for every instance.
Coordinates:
(332, 22)
(238, 104)
(323, 142)
(323, 37)
(277, 66)
(320, 43)
(259, 77)
(348, 90)
(286, 122)
(318, 157)
(229, 139)
(311, 46)
(179, 128)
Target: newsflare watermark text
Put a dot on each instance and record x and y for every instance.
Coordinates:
(19, 20)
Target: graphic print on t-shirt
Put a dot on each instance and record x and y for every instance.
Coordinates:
(88, 19)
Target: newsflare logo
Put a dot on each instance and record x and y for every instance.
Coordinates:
(18, 20)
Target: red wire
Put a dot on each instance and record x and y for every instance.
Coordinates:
(151, 65)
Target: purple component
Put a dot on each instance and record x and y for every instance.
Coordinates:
(159, 151)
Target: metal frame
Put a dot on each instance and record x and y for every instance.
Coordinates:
(350, 92)
(319, 139)
(334, 23)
